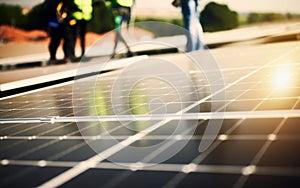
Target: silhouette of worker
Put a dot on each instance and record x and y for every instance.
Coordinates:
(82, 16)
(59, 22)
(121, 10)
(189, 10)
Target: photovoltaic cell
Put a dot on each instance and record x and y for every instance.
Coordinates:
(251, 149)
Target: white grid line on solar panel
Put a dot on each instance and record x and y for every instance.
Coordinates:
(74, 171)
(31, 112)
(242, 180)
(41, 101)
(42, 89)
(56, 156)
(186, 116)
(247, 68)
(103, 91)
(30, 137)
(63, 153)
(132, 168)
(239, 95)
(64, 137)
(48, 108)
(156, 137)
(87, 98)
(296, 103)
(65, 83)
(259, 99)
(22, 130)
(60, 138)
(78, 146)
(48, 100)
(42, 108)
(63, 90)
(226, 169)
(234, 68)
(267, 104)
(33, 138)
(179, 177)
(272, 98)
(64, 106)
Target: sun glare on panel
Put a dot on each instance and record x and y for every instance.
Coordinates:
(282, 77)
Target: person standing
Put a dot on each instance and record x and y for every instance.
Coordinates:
(121, 10)
(189, 10)
(58, 20)
(54, 27)
(82, 16)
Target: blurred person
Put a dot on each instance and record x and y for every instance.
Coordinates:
(189, 10)
(58, 20)
(121, 10)
(54, 27)
(83, 15)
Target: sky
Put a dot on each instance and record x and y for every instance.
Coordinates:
(283, 6)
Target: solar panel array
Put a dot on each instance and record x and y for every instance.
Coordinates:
(113, 142)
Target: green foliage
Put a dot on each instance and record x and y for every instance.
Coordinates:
(243, 19)
(102, 20)
(36, 18)
(159, 31)
(214, 17)
(175, 21)
(12, 15)
(217, 17)
(265, 17)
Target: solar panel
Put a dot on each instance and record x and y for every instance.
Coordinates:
(143, 124)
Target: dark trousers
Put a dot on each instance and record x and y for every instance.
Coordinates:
(56, 35)
(80, 30)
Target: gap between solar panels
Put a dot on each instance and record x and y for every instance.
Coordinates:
(21, 86)
(185, 168)
(263, 114)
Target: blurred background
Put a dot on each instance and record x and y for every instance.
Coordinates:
(22, 21)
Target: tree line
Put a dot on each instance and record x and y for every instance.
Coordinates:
(214, 17)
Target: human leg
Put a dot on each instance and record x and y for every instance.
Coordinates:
(82, 33)
(55, 37)
(69, 36)
(186, 13)
(192, 25)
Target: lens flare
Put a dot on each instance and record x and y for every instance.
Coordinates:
(282, 77)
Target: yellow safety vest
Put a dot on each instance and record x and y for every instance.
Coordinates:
(125, 3)
(87, 9)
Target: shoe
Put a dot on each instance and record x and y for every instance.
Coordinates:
(129, 54)
(75, 59)
(52, 62)
(66, 60)
(70, 60)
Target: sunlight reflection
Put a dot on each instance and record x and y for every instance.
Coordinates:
(282, 77)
